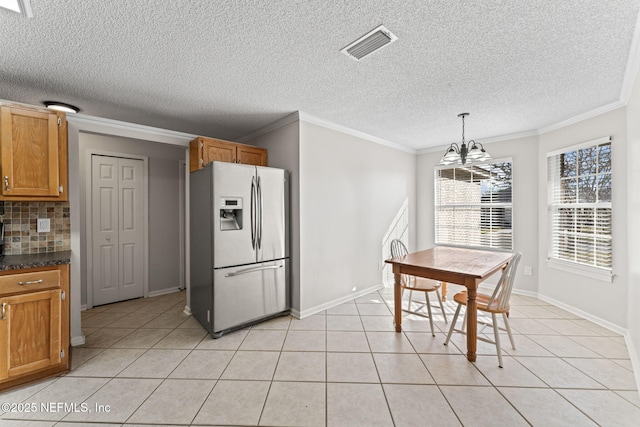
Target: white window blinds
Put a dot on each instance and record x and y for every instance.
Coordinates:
(473, 205)
(579, 193)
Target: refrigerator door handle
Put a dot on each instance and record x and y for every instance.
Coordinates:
(259, 221)
(254, 231)
(252, 270)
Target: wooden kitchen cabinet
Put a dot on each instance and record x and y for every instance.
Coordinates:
(33, 154)
(34, 324)
(203, 151)
(249, 155)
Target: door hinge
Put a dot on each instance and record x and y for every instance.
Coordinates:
(208, 316)
(59, 121)
(61, 354)
(63, 295)
(60, 189)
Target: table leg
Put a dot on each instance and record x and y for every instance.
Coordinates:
(444, 291)
(472, 322)
(397, 298)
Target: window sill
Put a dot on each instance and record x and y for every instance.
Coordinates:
(583, 270)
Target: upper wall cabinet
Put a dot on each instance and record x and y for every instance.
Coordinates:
(203, 151)
(33, 154)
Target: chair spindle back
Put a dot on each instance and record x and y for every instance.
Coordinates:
(502, 293)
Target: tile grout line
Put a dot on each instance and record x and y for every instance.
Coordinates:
(275, 368)
(366, 334)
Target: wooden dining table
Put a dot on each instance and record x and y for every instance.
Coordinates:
(467, 267)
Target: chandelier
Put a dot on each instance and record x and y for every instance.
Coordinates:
(465, 153)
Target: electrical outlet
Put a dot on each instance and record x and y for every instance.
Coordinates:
(528, 271)
(44, 225)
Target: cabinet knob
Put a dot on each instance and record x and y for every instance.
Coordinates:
(4, 311)
(6, 183)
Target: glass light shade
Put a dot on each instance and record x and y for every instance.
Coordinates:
(475, 153)
(61, 106)
(485, 156)
(446, 162)
(450, 158)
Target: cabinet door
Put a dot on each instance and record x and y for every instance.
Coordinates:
(249, 155)
(30, 163)
(214, 150)
(30, 326)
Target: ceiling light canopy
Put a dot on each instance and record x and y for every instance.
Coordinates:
(463, 153)
(19, 6)
(374, 40)
(61, 106)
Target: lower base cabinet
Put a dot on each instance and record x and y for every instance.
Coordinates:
(34, 324)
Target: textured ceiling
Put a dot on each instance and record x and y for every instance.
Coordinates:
(229, 67)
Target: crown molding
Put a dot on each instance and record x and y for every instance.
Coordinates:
(633, 65)
(288, 119)
(588, 115)
(510, 136)
(429, 150)
(308, 118)
(507, 137)
(129, 130)
(344, 129)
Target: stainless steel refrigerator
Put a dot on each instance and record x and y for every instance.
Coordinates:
(239, 245)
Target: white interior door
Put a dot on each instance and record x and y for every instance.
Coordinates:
(117, 235)
(130, 219)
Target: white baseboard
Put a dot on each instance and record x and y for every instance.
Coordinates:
(317, 309)
(164, 291)
(84, 307)
(571, 309)
(78, 340)
(633, 352)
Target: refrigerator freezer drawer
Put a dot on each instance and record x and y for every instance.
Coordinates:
(248, 293)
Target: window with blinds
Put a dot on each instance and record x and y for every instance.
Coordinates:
(579, 182)
(473, 205)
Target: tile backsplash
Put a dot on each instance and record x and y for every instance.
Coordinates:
(20, 221)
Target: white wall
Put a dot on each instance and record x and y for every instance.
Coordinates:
(350, 191)
(523, 152)
(164, 225)
(604, 301)
(283, 145)
(633, 232)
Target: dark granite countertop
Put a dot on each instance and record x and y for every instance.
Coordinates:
(16, 262)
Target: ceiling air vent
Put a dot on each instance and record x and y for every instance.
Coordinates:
(369, 43)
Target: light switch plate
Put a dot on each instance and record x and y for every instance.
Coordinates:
(44, 225)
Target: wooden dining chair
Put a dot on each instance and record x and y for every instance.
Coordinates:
(418, 284)
(496, 303)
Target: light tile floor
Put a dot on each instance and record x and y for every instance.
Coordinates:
(148, 363)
